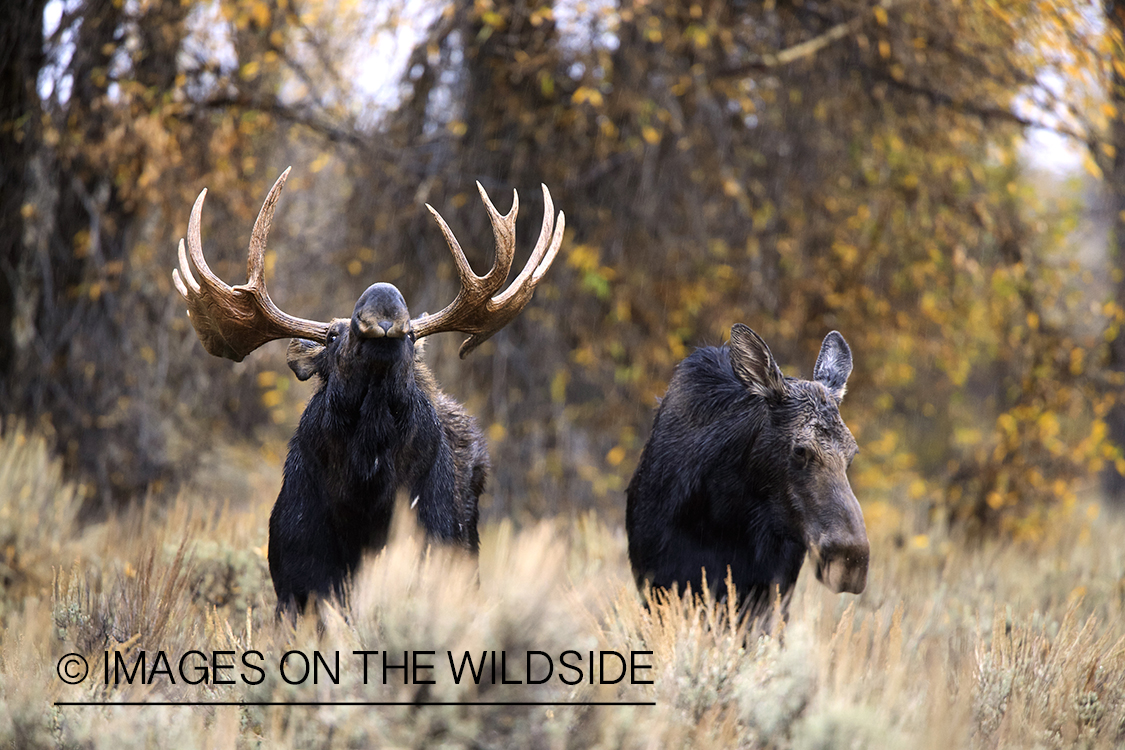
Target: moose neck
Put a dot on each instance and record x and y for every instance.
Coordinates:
(379, 377)
(744, 480)
(360, 420)
(774, 546)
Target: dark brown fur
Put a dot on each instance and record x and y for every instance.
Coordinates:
(377, 424)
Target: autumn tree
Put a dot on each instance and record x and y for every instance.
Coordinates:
(134, 114)
(852, 165)
(797, 167)
(1109, 152)
(21, 29)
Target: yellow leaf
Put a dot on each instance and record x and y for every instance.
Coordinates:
(320, 162)
(881, 15)
(1093, 168)
(492, 18)
(260, 12)
(650, 134)
(615, 456)
(583, 257)
(558, 386)
(587, 94)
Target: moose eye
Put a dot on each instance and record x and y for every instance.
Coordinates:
(801, 454)
(333, 334)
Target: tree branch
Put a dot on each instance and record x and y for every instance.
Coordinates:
(808, 48)
(321, 126)
(984, 111)
(295, 115)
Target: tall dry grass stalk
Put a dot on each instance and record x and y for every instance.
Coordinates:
(998, 646)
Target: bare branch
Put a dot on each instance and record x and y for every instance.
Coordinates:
(807, 48)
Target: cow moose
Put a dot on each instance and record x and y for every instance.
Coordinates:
(745, 471)
(377, 422)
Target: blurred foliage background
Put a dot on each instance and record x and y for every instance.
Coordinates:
(880, 168)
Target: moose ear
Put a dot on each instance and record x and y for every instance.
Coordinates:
(303, 357)
(834, 364)
(753, 364)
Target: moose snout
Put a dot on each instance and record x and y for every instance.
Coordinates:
(371, 327)
(841, 551)
(842, 567)
(381, 313)
(378, 329)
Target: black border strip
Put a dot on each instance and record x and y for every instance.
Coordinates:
(355, 703)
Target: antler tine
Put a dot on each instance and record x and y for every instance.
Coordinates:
(556, 243)
(546, 247)
(233, 321)
(504, 231)
(178, 278)
(474, 310)
(185, 281)
(469, 278)
(255, 262)
(195, 247)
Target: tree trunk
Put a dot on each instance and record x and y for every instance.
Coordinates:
(21, 56)
(80, 373)
(1113, 479)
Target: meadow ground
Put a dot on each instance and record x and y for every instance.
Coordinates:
(990, 645)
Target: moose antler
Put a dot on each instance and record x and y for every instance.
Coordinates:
(475, 311)
(234, 321)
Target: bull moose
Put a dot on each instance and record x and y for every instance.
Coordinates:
(377, 422)
(745, 471)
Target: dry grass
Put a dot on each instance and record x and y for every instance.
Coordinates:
(996, 646)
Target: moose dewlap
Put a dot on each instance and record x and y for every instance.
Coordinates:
(746, 471)
(378, 422)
